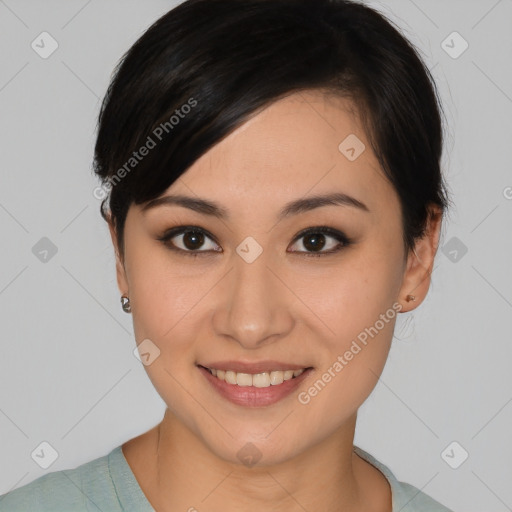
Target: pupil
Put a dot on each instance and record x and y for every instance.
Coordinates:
(193, 239)
(314, 241)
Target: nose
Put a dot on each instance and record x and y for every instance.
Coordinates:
(252, 306)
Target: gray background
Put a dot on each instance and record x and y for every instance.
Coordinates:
(68, 373)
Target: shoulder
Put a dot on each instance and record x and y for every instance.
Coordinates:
(406, 497)
(416, 501)
(85, 488)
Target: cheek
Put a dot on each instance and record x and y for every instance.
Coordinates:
(167, 309)
(353, 294)
(357, 304)
(165, 303)
(161, 293)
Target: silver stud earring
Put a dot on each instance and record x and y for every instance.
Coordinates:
(410, 297)
(125, 304)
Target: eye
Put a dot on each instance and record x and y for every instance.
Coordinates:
(188, 240)
(316, 239)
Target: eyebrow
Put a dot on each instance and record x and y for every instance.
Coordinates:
(306, 204)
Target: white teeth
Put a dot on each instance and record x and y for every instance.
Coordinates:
(244, 379)
(258, 380)
(288, 374)
(261, 380)
(230, 377)
(276, 378)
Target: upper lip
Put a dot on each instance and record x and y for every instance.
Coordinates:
(256, 367)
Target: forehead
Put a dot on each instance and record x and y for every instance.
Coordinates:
(303, 129)
(305, 143)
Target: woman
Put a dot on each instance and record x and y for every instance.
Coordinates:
(275, 200)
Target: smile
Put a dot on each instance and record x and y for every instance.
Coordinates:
(253, 385)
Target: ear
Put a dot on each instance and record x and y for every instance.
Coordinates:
(122, 281)
(420, 262)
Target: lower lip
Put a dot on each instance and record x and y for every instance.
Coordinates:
(251, 396)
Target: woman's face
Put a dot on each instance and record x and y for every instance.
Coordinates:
(249, 290)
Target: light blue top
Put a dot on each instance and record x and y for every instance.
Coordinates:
(107, 484)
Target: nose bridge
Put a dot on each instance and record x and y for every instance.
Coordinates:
(253, 306)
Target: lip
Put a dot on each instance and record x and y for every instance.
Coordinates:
(256, 367)
(251, 396)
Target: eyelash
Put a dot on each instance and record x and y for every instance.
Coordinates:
(343, 240)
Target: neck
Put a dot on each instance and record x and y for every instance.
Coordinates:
(177, 471)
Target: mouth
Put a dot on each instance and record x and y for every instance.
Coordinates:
(255, 385)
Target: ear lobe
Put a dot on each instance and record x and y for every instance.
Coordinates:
(122, 282)
(420, 263)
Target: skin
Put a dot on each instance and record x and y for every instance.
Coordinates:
(285, 305)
